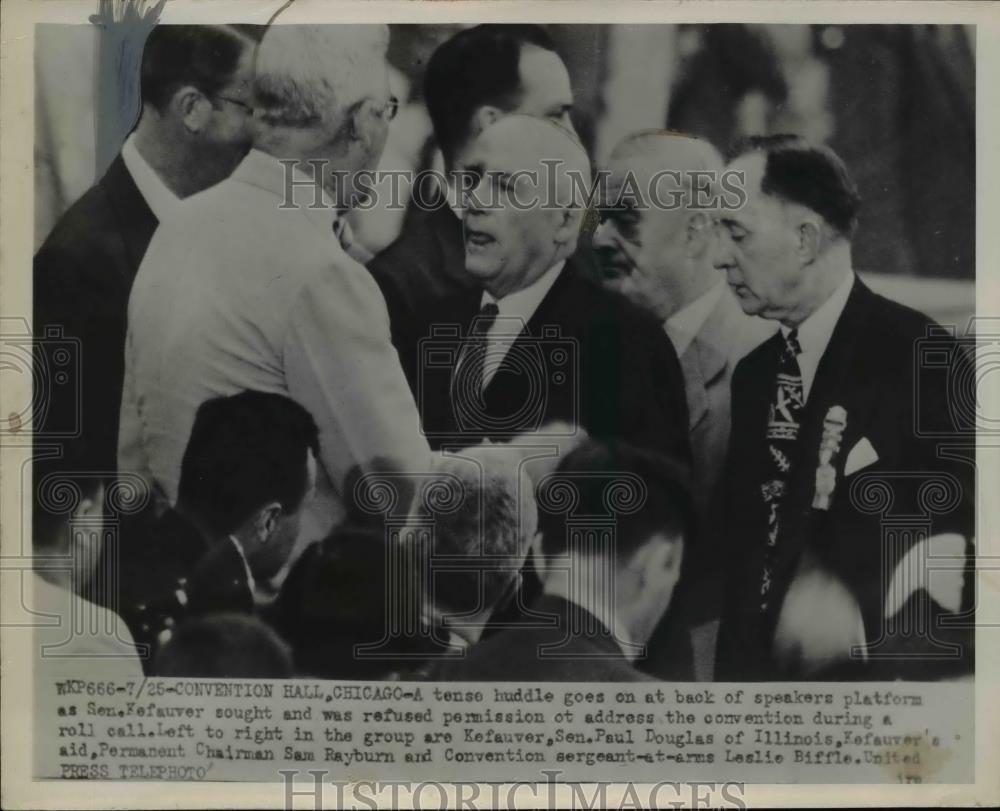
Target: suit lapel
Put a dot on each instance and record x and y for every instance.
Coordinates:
(136, 220)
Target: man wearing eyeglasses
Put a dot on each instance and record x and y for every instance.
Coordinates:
(253, 286)
(195, 81)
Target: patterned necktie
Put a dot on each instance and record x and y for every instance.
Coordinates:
(467, 379)
(782, 431)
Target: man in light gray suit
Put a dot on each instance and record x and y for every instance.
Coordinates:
(655, 245)
(252, 285)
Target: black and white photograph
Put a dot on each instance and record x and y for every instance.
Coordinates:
(455, 400)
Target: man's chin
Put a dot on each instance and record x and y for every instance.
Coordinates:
(480, 267)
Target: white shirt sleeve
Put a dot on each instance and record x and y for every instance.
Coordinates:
(341, 365)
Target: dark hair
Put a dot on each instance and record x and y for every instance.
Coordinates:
(477, 66)
(813, 176)
(203, 56)
(245, 451)
(224, 646)
(646, 492)
(58, 483)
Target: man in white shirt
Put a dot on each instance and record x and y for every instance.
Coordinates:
(195, 85)
(832, 417)
(250, 288)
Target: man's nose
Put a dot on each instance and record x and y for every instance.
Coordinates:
(722, 254)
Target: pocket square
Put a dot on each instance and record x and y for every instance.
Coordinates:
(861, 455)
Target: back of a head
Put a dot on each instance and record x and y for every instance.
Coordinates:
(245, 451)
(309, 74)
(646, 493)
(483, 514)
(200, 56)
(809, 174)
(224, 646)
(476, 67)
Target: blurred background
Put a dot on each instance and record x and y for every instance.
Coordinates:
(897, 102)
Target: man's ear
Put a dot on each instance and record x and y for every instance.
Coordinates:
(699, 233)
(192, 107)
(659, 562)
(483, 117)
(568, 227)
(91, 506)
(266, 522)
(810, 241)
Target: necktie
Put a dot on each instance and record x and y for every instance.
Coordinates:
(467, 379)
(782, 432)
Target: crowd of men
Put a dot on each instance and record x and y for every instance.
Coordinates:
(518, 443)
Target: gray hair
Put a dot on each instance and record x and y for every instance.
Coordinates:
(489, 512)
(308, 74)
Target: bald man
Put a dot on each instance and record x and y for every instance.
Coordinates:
(656, 248)
(547, 344)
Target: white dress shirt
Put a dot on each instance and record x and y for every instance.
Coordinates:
(687, 322)
(157, 194)
(815, 332)
(237, 293)
(515, 310)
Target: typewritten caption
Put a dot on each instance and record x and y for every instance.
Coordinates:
(196, 729)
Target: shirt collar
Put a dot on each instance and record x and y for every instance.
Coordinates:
(687, 322)
(814, 333)
(266, 172)
(521, 304)
(250, 581)
(157, 194)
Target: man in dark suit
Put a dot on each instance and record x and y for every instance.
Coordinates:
(248, 471)
(606, 586)
(835, 438)
(194, 129)
(509, 68)
(549, 351)
(547, 344)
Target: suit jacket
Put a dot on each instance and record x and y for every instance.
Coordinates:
(725, 337)
(82, 277)
(238, 292)
(573, 646)
(587, 356)
(868, 368)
